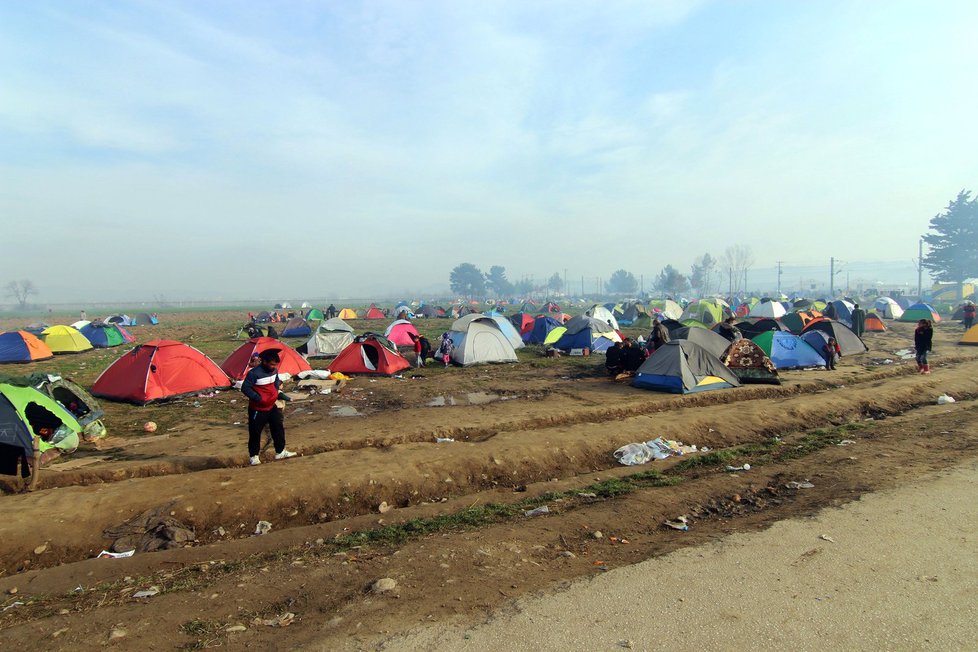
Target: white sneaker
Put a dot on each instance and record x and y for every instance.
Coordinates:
(254, 460)
(286, 453)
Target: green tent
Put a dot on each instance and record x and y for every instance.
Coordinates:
(26, 412)
(315, 314)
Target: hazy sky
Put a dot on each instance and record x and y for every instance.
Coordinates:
(304, 148)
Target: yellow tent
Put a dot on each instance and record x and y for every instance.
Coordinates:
(970, 336)
(348, 313)
(65, 339)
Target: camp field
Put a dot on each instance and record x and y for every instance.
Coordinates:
(374, 494)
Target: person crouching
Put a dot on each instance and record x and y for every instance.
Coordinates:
(261, 386)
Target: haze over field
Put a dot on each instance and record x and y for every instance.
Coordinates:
(362, 148)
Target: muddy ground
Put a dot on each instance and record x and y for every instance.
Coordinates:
(452, 533)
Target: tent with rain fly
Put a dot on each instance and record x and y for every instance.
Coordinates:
(873, 324)
(65, 339)
(683, 367)
(708, 311)
(159, 370)
(478, 340)
(767, 308)
(348, 313)
(370, 354)
(296, 327)
(21, 346)
(919, 311)
(583, 332)
(788, 351)
(144, 319)
(711, 341)
(236, 364)
(849, 342)
(314, 314)
(373, 312)
(329, 340)
(542, 327)
(103, 336)
(749, 363)
(600, 312)
(400, 332)
(796, 321)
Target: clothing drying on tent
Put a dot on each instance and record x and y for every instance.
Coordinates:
(749, 363)
(479, 340)
(159, 370)
(919, 311)
(21, 346)
(370, 354)
(400, 332)
(36, 328)
(332, 336)
(849, 342)
(26, 413)
(103, 335)
(683, 367)
(65, 339)
(788, 351)
(236, 364)
(587, 332)
(296, 327)
(542, 327)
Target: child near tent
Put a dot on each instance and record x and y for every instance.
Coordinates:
(261, 386)
(416, 342)
(831, 352)
(445, 348)
(923, 342)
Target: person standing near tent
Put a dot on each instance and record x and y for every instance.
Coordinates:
(858, 320)
(658, 336)
(923, 342)
(728, 330)
(968, 312)
(425, 349)
(261, 386)
(445, 348)
(416, 343)
(831, 351)
(331, 311)
(829, 310)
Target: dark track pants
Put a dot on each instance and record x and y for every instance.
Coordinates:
(257, 420)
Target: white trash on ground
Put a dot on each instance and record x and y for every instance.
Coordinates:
(944, 399)
(656, 449)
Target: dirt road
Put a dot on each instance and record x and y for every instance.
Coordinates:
(893, 571)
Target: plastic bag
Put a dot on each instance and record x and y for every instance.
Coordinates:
(634, 454)
(944, 399)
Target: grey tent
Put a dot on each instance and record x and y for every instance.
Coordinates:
(332, 336)
(712, 341)
(683, 367)
(478, 339)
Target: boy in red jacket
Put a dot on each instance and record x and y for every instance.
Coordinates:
(261, 386)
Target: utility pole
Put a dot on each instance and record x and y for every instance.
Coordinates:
(643, 283)
(582, 285)
(566, 287)
(780, 263)
(920, 269)
(831, 278)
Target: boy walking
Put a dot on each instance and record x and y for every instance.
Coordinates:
(261, 386)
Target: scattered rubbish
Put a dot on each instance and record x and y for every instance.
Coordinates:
(147, 593)
(318, 374)
(196, 404)
(263, 527)
(905, 354)
(597, 534)
(105, 554)
(745, 467)
(344, 411)
(656, 449)
(846, 442)
(825, 537)
(40, 549)
(283, 620)
(153, 530)
(944, 399)
(18, 603)
(799, 485)
(444, 440)
(235, 628)
(383, 585)
(587, 495)
(328, 390)
(116, 634)
(568, 554)
(383, 508)
(625, 644)
(681, 524)
(537, 512)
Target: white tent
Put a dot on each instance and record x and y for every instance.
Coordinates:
(329, 339)
(506, 326)
(771, 309)
(887, 308)
(306, 304)
(600, 312)
(478, 339)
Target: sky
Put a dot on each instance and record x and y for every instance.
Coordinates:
(224, 149)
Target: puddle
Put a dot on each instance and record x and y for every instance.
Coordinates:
(441, 401)
(344, 411)
(470, 398)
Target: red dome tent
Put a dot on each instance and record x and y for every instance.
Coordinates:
(159, 370)
(236, 364)
(374, 313)
(370, 354)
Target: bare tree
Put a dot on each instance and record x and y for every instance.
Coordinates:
(21, 291)
(736, 262)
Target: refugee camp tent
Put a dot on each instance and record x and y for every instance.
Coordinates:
(958, 313)
(522, 322)
(767, 308)
(348, 313)
(236, 364)
(159, 370)
(284, 305)
(542, 327)
(71, 396)
(710, 340)
(263, 317)
(479, 340)
(429, 311)
(314, 314)
(849, 342)
(330, 339)
(970, 337)
(796, 321)
(666, 308)
(35, 328)
(80, 324)
(707, 311)
(103, 335)
(21, 346)
(144, 319)
(587, 332)
(753, 327)
(630, 313)
(373, 312)
(305, 304)
(683, 367)
(873, 324)
(65, 339)
(919, 311)
(119, 320)
(506, 326)
(26, 413)
(400, 331)
(600, 312)
(788, 351)
(749, 363)
(843, 311)
(370, 354)
(550, 306)
(296, 327)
